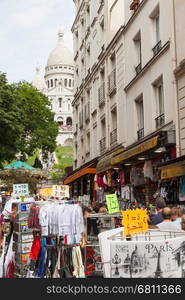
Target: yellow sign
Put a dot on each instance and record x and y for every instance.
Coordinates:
(174, 170)
(135, 151)
(45, 192)
(112, 204)
(134, 221)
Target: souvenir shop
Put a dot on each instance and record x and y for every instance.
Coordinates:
(81, 182)
(135, 174)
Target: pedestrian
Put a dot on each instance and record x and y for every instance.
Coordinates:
(159, 205)
(176, 216)
(183, 222)
(167, 224)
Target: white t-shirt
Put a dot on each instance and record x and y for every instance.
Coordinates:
(165, 225)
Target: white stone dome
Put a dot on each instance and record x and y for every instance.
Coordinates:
(61, 55)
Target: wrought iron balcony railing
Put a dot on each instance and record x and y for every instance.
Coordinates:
(140, 134)
(101, 95)
(112, 83)
(113, 137)
(160, 121)
(157, 48)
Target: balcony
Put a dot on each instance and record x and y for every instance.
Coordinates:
(157, 48)
(160, 121)
(138, 69)
(101, 95)
(103, 145)
(113, 138)
(140, 134)
(112, 83)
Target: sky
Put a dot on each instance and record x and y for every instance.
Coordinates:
(28, 33)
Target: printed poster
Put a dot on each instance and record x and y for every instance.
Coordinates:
(150, 259)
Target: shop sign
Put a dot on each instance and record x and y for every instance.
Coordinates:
(173, 171)
(134, 221)
(60, 191)
(46, 192)
(20, 189)
(135, 151)
(112, 204)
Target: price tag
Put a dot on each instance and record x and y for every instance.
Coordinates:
(135, 221)
(112, 204)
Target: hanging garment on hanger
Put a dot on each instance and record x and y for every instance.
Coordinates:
(122, 178)
(100, 195)
(77, 263)
(148, 169)
(35, 249)
(40, 271)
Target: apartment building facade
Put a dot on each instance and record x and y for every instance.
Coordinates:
(125, 108)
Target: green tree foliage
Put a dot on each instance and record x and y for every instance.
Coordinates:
(26, 121)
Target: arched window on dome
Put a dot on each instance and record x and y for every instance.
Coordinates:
(69, 82)
(56, 82)
(65, 82)
(51, 82)
(48, 84)
(69, 121)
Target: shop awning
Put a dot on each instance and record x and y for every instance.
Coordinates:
(79, 174)
(173, 170)
(149, 144)
(104, 163)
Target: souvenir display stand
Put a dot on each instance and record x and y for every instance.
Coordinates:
(97, 223)
(22, 238)
(154, 254)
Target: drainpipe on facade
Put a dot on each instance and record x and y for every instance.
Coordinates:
(174, 64)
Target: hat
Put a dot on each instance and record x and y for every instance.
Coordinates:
(160, 203)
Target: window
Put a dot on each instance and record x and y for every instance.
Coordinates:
(137, 43)
(159, 92)
(48, 83)
(69, 82)
(51, 82)
(113, 133)
(88, 143)
(140, 117)
(56, 82)
(60, 102)
(155, 17)
(157, 28)
(69, 121)
(160, 96)
(65, 82)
